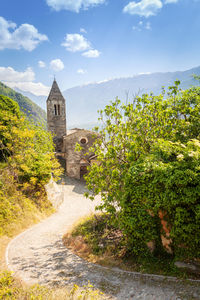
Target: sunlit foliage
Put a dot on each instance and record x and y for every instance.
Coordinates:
(148, 170)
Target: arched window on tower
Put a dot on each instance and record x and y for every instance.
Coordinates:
(59, 109)
(55, 110)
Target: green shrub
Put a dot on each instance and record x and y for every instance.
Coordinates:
(167, 180)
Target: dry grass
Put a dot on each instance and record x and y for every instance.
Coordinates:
(12, 288)
(4, 240)
(96, 241)
(79, 247)
(78, 244)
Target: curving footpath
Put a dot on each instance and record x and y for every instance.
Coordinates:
(38, 256)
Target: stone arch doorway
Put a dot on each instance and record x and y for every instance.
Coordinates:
(83, 167)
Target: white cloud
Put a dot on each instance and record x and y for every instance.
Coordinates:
(57, 65)
(143, 73)
(91, 53)
(81, 71)
(105, 80)
(144, 8)
(26, 36)
(23, 81)
(171, 1)
(73, 5)
(41, 64)
(82, 30)
(9, 74)
(76, 42)
(36, 88)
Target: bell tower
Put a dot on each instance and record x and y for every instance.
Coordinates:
(56, 116)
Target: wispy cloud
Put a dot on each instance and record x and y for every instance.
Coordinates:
(171, 1)
(73, 5)
(146, 8)
(82, 30)
(93, 53)
(57, 65)
(25, 36)
(81, 71)
(148, 26)
(41, 64)
(142, 25)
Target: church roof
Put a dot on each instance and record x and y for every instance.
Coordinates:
(55, 92)
(71, 131)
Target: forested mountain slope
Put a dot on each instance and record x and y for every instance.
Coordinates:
(32, 110)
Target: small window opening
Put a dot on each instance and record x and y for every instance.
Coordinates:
(55, 110)
(59, 109)
(83, 141)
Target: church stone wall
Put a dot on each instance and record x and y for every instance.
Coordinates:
(74, 159)
(76, 162)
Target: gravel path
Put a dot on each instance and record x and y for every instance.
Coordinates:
(38, 256)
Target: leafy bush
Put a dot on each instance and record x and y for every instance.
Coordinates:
(168, 181)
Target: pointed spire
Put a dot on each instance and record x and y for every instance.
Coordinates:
(55, 93)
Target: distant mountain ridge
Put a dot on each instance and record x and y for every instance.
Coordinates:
(84, 101)
(31, 110)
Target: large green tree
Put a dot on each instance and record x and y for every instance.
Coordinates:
(148, 162)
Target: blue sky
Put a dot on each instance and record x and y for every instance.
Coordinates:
(83, 41)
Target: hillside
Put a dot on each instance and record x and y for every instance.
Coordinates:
(32, 110)
(27, 162)
(39, 100)
(84, 101)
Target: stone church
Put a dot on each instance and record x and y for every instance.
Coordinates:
(75, 163)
